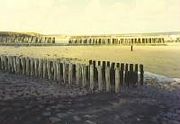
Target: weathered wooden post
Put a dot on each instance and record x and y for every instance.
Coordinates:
(117, 78)
(131, 77)
(126, 75)
(103, 70)
(141, 74)
(12, 69)
(131, 48)
(77, 74)
(91, 67)
(27, 66)
(112, 74)
(0, 63)
(55, 70)
(136, 74)
(40, 68)
(14, 64)
(100, 79)
(58, 71)
(84, 75)
(31, 67)
(51, 70)
(74, 71)
(17, 65)
(53, 40)
(95, 72)
(122, 74)
(36, 63)
(70, 73)
(61, 71)
(48, 69)
(44, 68)
(6, 63)
(90, 62)
(9, 63)
(20, 65)
(107, 73)
(23, 63)
(64, 72)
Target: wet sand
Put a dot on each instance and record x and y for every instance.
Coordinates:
(27, 100)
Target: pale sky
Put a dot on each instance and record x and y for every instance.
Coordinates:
(89, 16)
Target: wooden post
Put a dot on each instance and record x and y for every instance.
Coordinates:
(136, 74)
(112, 74)
(126, 75)
(20, 66)
(117, 79)
(122, 74)
(70, 73)
(100, 80)
(95, 72)
(5, 66)
(61, 71)
(32, 66)
(44, 68)
(17, 65)
(64, 72)
(6, 63)
(58, 71)
(55, 70)
(74, 71)
(91, 77)
(103, 70)
(14, 64)
(131, 78)
(23, 61)
(27, 65)
(141, 74)
(90, 62)
(49, 69)
(131, 48)
(77, 74)
(0, 63)
(9, 63)
(107, 75)
(84, 77)
(40, 68)
(36, 66)
(3, 62)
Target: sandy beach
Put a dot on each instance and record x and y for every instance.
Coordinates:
(29, 100)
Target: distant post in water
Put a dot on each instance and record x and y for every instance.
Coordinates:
(131, 47)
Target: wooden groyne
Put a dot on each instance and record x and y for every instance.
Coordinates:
(96, 76)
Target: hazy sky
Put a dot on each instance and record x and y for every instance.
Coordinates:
(89, 16)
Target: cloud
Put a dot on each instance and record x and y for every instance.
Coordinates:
(90, 16)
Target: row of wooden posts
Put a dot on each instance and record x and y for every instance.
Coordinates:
(95, 76)
(26, 39)
(115, 41)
